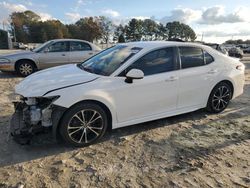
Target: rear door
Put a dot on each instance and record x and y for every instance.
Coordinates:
(80, 51)
(196, 77)
(54, 55)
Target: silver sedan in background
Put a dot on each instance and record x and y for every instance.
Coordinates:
(50, 54)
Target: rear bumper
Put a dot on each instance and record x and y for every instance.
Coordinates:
(239, 82)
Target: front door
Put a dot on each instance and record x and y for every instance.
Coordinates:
(153, 95)
(54, 55)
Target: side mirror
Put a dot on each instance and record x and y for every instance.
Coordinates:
(134, 74)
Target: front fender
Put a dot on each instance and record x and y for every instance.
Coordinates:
(70, 96)
(26, 59)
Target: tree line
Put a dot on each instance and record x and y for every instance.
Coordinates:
(27, 27)
(237, 42)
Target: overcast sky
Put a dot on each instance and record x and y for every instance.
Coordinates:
(216, 20)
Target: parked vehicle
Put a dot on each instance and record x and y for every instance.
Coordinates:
(22, 46)
(124, 85)
(218, 47)
(50, 54)
(235, 52)
(246, 50)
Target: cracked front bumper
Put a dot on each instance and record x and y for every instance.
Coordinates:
(22, 128)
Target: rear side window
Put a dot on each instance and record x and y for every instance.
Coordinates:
(191, 57)
(155, 62)
(79, 46)
(208, 58)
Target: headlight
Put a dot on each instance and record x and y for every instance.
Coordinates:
(3, 60)
(16, 97)
(42, 101)
(53, 98)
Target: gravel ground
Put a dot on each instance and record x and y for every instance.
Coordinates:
(191, 150)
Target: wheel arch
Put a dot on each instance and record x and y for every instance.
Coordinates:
(101, 104)
(209, 107)
(25, 59)
(227, 81)
(104, 107)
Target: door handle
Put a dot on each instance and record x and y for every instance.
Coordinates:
(212, 71)
(172, 78)
(90, 53)
(63, 55)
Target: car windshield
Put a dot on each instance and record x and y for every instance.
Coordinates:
(41, 47)
(106, 62)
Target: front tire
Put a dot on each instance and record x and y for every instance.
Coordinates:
(83, 124)
(219, 98)
(25, 68)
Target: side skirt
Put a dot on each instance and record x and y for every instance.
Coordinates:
(158, 116)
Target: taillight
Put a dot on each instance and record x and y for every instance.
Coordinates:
(240, 67)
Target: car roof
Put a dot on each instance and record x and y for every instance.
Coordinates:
(56, 40)
(159, 44)
(79, 40)
(153, 45)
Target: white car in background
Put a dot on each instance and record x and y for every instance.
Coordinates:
(124, 85)
(50, 54)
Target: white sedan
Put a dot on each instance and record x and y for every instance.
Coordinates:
(124, 85)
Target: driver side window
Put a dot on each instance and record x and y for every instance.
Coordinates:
(58, 47)
(154, 62)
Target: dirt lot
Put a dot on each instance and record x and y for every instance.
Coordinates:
(192, 150)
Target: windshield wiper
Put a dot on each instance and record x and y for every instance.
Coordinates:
(85, 68)
(79, 66)
(88, 69)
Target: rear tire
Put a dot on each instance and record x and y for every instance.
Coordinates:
(25, 68)
(219, 98)
(83, 124)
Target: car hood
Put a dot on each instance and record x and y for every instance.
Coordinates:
(40, 83)
(18, 54)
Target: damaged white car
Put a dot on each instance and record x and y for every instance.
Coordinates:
(124, 85)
